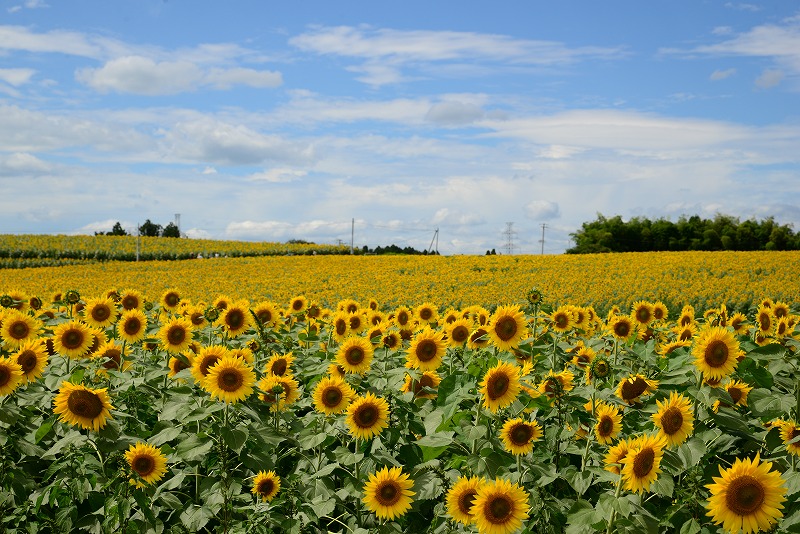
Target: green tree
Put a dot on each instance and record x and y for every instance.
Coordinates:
(171, 230)
(150, 229)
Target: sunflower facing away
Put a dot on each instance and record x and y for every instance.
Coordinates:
(367, 416)
(147, 462)
(332, 395)
(642, 464)
(609, 423)
(32, 357)
(231, 380)
(461, 497)
(426, 350)
(674, 419)
(428, 380)
(716, 352)
(82, 406)
(518, 435)
(355, 355)
(507, 327)
(72, 339)
(388, 493)
(500, 386)
(176, 335)
(266, 485)
(500, 507)
(631, 389)
(11, 376)
(748, 496)
(132, 325)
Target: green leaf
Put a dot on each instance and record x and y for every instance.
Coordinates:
(690, 527)
(235, 438)
(581, 481)
(194, 447)
(434, 445)
(170, 500)
(144, 505)
(427, 486)
(167, 434)
(692, 452)
(42, 431)
(762, 377)
(195, 518)
(664, 485)
(311, 440)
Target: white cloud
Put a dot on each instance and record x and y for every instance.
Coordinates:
(56, 41)
(446, 216)
(21, 163)
(742, 6)
(722, 74)
(227, 78)
(281, 230)
(16, 77)
(542, 210)
(453, 113)
(277, 175)
(209, 170)
(769, 78)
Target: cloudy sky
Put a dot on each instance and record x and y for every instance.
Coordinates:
(265, 120)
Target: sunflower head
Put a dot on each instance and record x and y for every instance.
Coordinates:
(332, 395)
(519, 435)
(147, 462)
(716, 352)
(500, 386)
(641, 464)
(461, 497)
(674, 419)
(73, 339)
(11, 376)
(388, 493)
(132, 325)
(367, 416)
(176, 334)
(32, 358)
(231, 380)
(82, 406)
(500, 506)
(266, 485)
(426, 350)
(355, 355)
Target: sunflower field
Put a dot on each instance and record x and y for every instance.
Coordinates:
(134, 410)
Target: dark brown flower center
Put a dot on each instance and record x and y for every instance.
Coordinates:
(5, 375)
(498, 509)
(643, 314)
(745, 495)
(764, 322)
(352, 308)
(132, 326)
(658, 313)
(601, 369)
(465, 501)
(686, 334)
(497, 385)
(197, 318)
(478, 336)
(671, 420)
(101, 312)
(143, 465)
(27, 360)
(84, 404)
(605, 426)
(265, 487)
(72, 339)
(459, 334)
(176, 335)
(230, 380)
(521, 434)
(130, 302)
(354, 356)
(716, 353)
(332, 396)
(265, 316)
(341, 326)
(297, 304)
(402, 318)
(426, 350)
(234, 319)
(178, 365)
(366, 415)
(561, 320)
(631, 389)
(735, 393)
(355, 322)
(279, 367)
(19, 330)
(388, 493)
(207, 362)
(643, 462)
(622, 328)
(505, 328)
(113, 358)
(425, 314)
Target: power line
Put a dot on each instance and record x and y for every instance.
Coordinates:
(509, 235)
(544, 225)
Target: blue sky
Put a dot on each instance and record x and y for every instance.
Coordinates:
(262, 120)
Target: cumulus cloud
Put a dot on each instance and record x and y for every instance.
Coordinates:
(722, 74)
(542, 210)
(16, 77)
(277, 175)
(446, 216)
(20, 163)
(104, 226)
(769, 78)
(453, 113)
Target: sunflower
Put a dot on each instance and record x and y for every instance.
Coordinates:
(561, 320)
(266, 485)
(207, 358)
(716, 352)
(500, 386)
(392, 340)
(279, 391)
(461, 497)
(82, 406)
(298, 304)
(111, 355)
(231, 380)
(609, 423)
(266, 313)
(668, 348)
(583, 357)
(426, 350)
(457, 331)
(72, 339)
(631, 388)
(674, 419)
(479, 338)
(32, 357)
(332, 395)
(197, 315)
(500, 507)
(642, 464)
(782, 328)
(621, 327)
(14, 300)
(616, 456)
(426, 313)
(170, 299)
(507, 327)
(100, 312)
(355, 355)
(132, 326)
(789, 432)
(340, 326)
(222, 302)
(403, 317)
(367, 416)
(235, 319)
(600, 368)
(738, 391)
(130, 299)
(518, 435)
(348, 306)
(764, 319)
(11, 376)
(18, 327)
(388, 493)
(429, 380)
(660, 311)
(556, 384)
(642, 312)
(147, 462)
(177, 364)
(748, 496)
(279, 364)
(686, 333)
(176, 334)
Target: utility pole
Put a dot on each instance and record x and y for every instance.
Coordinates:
(138, 234)
(542, 239)
(178, 223)
(435, 238)
(352, 234)
(509, 235)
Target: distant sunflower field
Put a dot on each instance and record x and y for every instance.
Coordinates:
(498, 395)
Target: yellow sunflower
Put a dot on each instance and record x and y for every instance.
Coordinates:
(367, 416)
(764, 319)
(660, 311)
(388, 493)
(583, 357)
(176, 334)
(332, 395)
(642, 464)
(32, 357)
(426, 313)
(518, 435)
(616, 456)
(790, 431)
(207, 358)
(340, 326)
(746, 497)
(642, 312)
(500, 507)
(177, 364)
(631, 388)
(267, 314)
(72, 339)
(561, 320)
(500, 386)
(18, 327)
(621, 327)
(738, 322)
(507, 327)
(11, 376)
(479, 338)
(348, 306)
(235, 319)
(147, 462)
(130, 299)
(100, 312)
(556, 384)
(716, 352)
(428, 380)
(266, 485)
(674, 419)
(458, 331)
(609, 423)
(391, 340)
(461, 497)
(403, 317)
(426, 350)
(132, 325)
(355, 355)
(279, 364)
(279, 391)
(230, 380)
(298, 304)
(82, 406)
(110, 355)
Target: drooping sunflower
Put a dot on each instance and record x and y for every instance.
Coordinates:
(789, 431)
(507, 327)
(461, 497)
(621, 327)
(674, 419)
(642, 464)
(266, 313)
(132, 325)
(130, 299)
(500, 386)
(72, 339)
(426, 350)
(332, 395)
(147, 462)
(716, 352)
(18, 327)
(738, 391)
(231, 380)
(561, 320)
(279, 364)
(428, 379)
(100, 312)
(279, 391)
(616, 456)
(458, 331)
(500, 507)
(176, 334)
(235, 319)
(518, 435)
(668, 348)
(367, 416)
(479, 338)
(82, 406)
(11, 376)
(632, 387)
(355, 355)
(32, 357)
(266, 485)
(207, 358)
(556, 384)
(609, 423)
(388, 493)
(746, 497)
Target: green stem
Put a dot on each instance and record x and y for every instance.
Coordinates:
(613, 517)
(358, 478)
(697, 401)
(589, 434)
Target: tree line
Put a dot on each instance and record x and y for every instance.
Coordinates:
(723, 232)
(149, 229)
